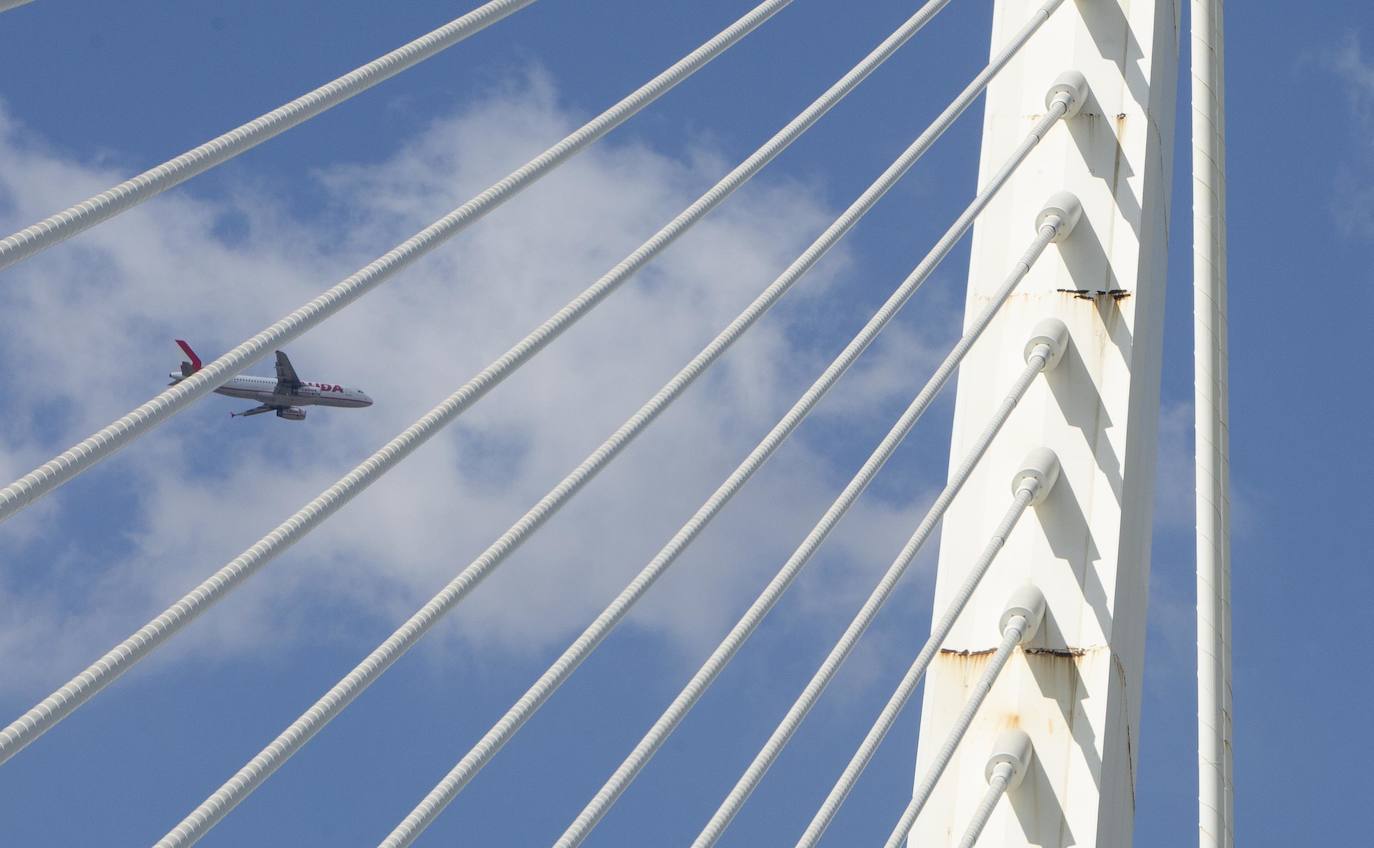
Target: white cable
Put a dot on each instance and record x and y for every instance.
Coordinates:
(434, 803)
(147, 185)
(997, 787)
(629, 769)
(1211, 613)
(797, 713)
(123, 656)
(6, 5)
(98, 446)
(1016, 628)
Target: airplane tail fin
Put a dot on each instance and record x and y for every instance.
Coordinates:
(188, 368)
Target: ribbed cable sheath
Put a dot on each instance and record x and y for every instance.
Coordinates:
(797, 713)
(997, 787)
(100, 674)
(1211, 612)
(671, 717)
(147, 185)
(434, 803)
(857, 763)
(95, 448)
(1011, 637)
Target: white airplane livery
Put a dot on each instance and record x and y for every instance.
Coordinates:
(284, 395)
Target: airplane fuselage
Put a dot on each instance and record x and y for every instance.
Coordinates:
(287, 395)
(263, 390)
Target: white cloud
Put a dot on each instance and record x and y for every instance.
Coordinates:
(1348, 61)
(85, 330)
(1354, 199)
(1174, 483)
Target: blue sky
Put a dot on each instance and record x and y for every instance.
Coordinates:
(90, 93)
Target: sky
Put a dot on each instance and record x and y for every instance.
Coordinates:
(86, 333)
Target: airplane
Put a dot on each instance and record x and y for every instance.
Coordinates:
(284, 395)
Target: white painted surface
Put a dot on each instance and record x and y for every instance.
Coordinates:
(1088, 545)
(1210, 445)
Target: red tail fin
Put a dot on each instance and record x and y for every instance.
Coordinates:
(186, 349)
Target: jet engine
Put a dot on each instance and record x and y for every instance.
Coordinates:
(292, 413)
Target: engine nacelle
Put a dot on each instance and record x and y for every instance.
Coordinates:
(292, 413)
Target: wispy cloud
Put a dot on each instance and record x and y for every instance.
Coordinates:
(1354, 195)
(1348, 61)
(85, 331)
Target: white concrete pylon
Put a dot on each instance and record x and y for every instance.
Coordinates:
(1089, 550)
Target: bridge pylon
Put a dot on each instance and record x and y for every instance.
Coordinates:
(1074, 688)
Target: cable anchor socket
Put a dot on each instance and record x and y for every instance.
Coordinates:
(1072, 88)
(1014, 748)
(1053, 334)
(1028, 603)
(1040, 471)
(1062, 211)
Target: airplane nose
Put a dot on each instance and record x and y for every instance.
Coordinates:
(367, 401)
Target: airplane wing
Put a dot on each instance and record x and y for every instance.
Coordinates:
(287, 381)
(257, 410)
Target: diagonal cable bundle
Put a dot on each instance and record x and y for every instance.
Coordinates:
(673, 715)
(376, 663)
(82, 216)
(854, 631)
(338, 698)
(543, 688)
(1061, 103)
(104, 671)
(120, 433)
